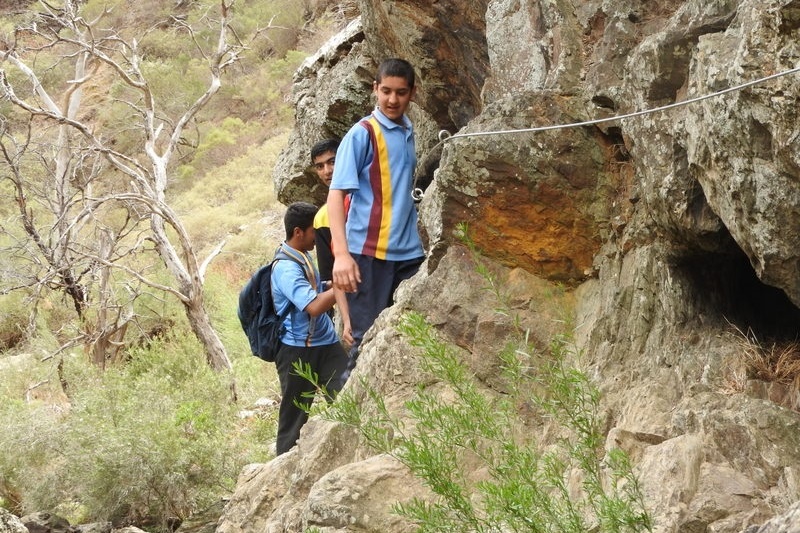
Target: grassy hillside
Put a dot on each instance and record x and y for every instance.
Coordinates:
(154, 437)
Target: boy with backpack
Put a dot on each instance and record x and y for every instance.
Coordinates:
(309, 337)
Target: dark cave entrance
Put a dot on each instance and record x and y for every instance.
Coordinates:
(727, 290)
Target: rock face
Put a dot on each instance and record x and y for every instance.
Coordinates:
(789, 521)
(672, 235)
(10, 523)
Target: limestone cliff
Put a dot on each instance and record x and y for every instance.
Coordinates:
(672, 234)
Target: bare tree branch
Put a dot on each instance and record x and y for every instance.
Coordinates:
(215, 252)
(82, 161)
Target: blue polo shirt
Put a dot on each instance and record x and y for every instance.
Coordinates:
(291, 287)
(382, 219)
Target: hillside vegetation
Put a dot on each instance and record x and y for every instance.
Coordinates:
(149, 436)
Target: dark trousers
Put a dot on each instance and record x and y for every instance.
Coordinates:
(379, 280)
(328, 363)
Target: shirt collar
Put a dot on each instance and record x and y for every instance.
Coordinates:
(386, 122)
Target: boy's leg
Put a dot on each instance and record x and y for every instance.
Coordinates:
(379, 279)
(331, 364)
(373, 296)
(403, 270)
(291, 417)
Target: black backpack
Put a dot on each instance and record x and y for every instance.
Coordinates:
(260, 322)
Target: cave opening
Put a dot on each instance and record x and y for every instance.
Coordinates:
(726, 289)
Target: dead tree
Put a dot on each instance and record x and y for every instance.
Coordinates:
(62, 230)
(87, 165)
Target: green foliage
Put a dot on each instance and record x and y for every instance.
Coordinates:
(7, 29)
(526, 486)
(274, 24)
(13, 320)
(258, 93)
(219, 145)
(155, 436)
(166, 46)
(234, 196)
(254, 378)
(143, 442)
(320, 391)
(467, 444)
(191, 75)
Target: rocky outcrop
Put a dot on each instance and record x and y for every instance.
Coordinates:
(10, 523)
(330, 94)
(333, 87)
(789, 521)
(44, 522)
(672, 238)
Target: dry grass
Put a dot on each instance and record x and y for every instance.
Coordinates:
(775, 363)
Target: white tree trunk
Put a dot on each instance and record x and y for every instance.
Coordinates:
(90, 43)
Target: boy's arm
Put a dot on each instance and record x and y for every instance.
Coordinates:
(346, 275)
(322, 303)
(344, 313)
(293, 283)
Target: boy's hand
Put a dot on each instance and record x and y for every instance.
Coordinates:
(346, 275)
(347, 335)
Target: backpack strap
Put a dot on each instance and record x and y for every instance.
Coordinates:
(301, 258)
(288, 307)
(304, 260)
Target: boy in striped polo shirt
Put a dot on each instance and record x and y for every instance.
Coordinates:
(378, 245)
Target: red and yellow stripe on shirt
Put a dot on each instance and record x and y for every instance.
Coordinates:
(380, 218)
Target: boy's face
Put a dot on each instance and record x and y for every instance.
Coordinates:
(323, 166)
(394, 96)
(305, 238)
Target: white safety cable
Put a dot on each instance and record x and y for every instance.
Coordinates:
(445, 136)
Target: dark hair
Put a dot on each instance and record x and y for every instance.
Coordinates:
(394, 67)
(328, 145)
(298, 215)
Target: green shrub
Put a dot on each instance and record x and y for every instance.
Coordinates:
(142, 443)
(156, 435)
(502, 462)
(232, 200)
(286, 17)
(524, 485)
(14, 316)
(175, 89)
(260, 92)
(218, 146)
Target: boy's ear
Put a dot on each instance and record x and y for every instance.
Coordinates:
(298, 231)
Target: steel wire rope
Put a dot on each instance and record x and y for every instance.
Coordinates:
(445, 136)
